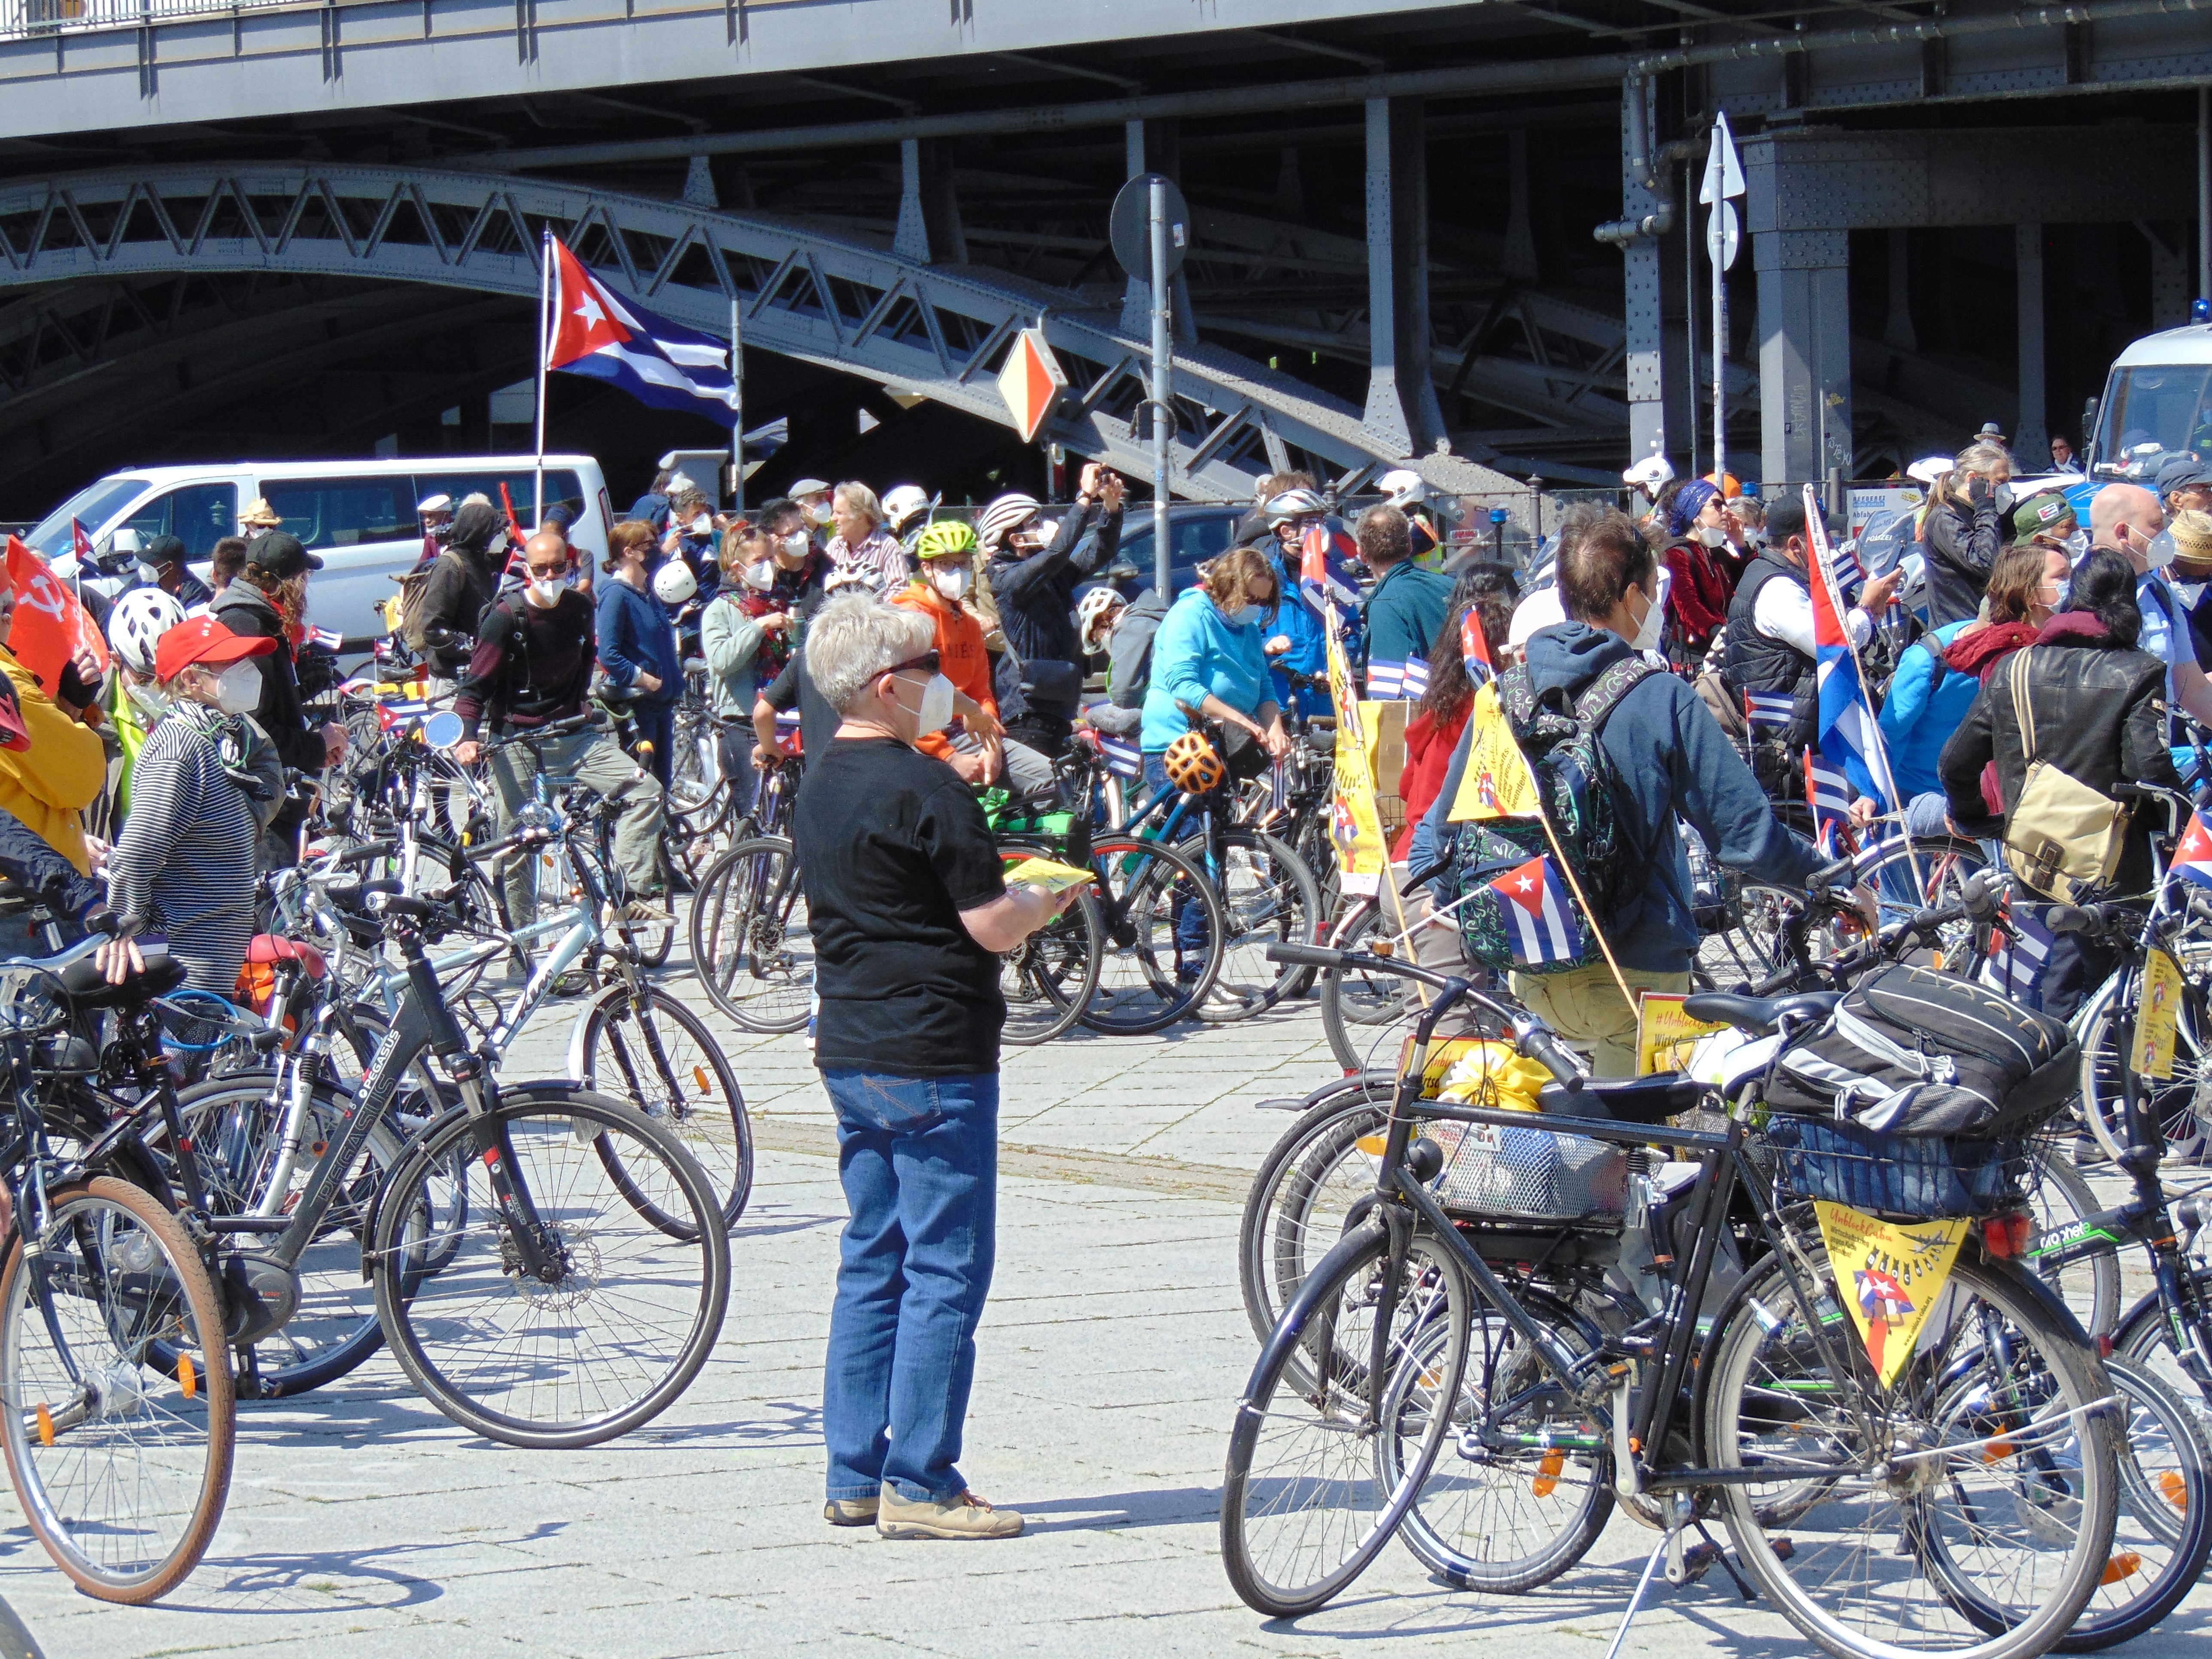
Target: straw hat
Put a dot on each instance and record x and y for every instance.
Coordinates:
(259, 515)
(2192, 539)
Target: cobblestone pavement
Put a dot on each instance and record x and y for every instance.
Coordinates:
(361, 1523)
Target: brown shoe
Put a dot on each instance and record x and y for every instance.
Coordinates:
(962, 1517)
(843, 1512)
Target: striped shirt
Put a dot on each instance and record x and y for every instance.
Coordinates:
(880, 559)
(184, 865)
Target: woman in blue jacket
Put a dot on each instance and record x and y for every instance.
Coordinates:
(1209, 661)
(637, 640)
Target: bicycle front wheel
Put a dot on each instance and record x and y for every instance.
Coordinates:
(1268, 897)
(1163, 932)
(655, 1053)
(621, 1312)
(751, 945)
(116, 1410)
(1309, 1498)
(1050, 976)
(1966, 1510)
(2171, 1103)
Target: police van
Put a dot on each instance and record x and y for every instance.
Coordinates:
(358, 517)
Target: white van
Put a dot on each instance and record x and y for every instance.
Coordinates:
(358, 517)
(2157, 402)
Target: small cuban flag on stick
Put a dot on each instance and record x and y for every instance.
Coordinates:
(1543, 921)
(1475, 650)
(1386, 680)
(2193, 857)
(1767, 712)
(1828, 793)
(1323, 580)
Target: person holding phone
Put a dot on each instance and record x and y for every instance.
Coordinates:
(1033, 578)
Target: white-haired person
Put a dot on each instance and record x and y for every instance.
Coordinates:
(862, 546)
(908, 911)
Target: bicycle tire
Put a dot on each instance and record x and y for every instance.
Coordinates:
(1275, 1495)
(1277, 1242)
(745, 933)
(1354, 1005)
(1050, 976)
(180, 1453)
(2090, 1288)
(552, 1137)
(1282, 907)
(709, 1114)
(2171, 1102)
(1886, 1520)
(1147, 890)
(2147, 1335)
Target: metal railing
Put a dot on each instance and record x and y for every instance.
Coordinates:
(21, 18)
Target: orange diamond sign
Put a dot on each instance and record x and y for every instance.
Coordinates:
(1031, 382)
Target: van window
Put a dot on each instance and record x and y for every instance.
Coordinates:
(202, 514)
(343, 511)
(563, 487)
(92, 506)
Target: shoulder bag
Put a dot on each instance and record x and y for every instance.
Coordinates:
(2061, 836)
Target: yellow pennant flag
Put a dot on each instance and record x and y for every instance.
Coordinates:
(1889, 1275)
(1497, 783)
(1354, 823)
(2156, 1015)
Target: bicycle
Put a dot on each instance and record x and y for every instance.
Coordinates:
(1817, 1469)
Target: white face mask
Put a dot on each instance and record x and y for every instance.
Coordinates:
(795, 545)
(149, 698)
(2076, 544)
(547, 590)
(1708, 535)
(2188, 592)
(1244, 617)
(2002, 497)
(238, 689)
(703, 525)
(1646, 637)
(951, 582)
(817, 511)
(759, 577)
(936, 706)
(2157, 553)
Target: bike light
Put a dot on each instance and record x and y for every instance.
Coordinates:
(2005, 1236)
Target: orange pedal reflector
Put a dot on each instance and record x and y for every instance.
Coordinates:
(699, 1077)
(1547, 1473)
(2126, 1565)
(1997, 1450)
(46, 1424)
(2175, 1488)
(187, 1378)
(1371, 1145)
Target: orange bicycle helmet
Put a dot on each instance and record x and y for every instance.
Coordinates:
(1193, 766)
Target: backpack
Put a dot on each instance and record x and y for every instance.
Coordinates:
(1912, 1052)
(412, 619)
(1581, 790)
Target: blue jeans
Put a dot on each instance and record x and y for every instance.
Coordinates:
(919, 1158)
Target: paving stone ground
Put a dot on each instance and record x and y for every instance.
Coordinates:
(363, 1523)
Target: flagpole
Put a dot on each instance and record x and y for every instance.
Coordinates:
(737, 404)
(545, 315)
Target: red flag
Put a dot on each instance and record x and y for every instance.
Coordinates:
(51, 626)
(1475, 649)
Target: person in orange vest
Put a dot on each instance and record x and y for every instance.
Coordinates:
(944, 555)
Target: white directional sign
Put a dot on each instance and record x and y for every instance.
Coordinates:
(1724, 172)
(1721, 235)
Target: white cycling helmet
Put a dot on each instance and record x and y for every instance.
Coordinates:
(1929, 469)
(1651, 475)
(674, 583)
(1003, 517)
(1098, 606)
(1294, 504)
(136, 623)
(902, 502)
(1404, 488)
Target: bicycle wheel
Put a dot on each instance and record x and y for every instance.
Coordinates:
(1357, 1004)
(1268, 897)
(1162, 938)
(2148, 1336)
(2171, 1103)
(1049, 977)
(2165, 1531)
(2060, 1202)
(750, 944)
(1306, 1502)
(1987, 1482)
(653, 1052)
(1523, 1485)
(630, 1312)
(1323, 1164)
(121, 1466)
(1926, 873)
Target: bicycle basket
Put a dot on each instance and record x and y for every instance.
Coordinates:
(1907, 1177)
(1528, 1174)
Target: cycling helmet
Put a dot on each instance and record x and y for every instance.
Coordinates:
(1003, 517)
(136, 623)
(1404, 488)
(902, 503)
(1651, 475)
(1193, 766)
(1097, 605)
(1294, 504)
(1929, 469)
(947, 536)
(674, 583)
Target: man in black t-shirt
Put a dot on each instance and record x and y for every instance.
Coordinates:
(908, 909)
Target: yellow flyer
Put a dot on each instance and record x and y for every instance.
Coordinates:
(1497, 783)
(1889, 1275)
(1665, 1034)
(2154, 1020)
(1354, 823)
(1045, 873)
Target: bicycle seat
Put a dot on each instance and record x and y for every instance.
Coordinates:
(1760, 1014)
(1624, 1100)
(86, 987)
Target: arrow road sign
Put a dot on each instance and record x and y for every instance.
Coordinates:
(1724, 172)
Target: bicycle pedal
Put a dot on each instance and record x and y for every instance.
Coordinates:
(1697, 1561)
(1784, 1548)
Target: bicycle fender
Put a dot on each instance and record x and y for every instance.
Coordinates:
(1292, 1324)
(608, 995)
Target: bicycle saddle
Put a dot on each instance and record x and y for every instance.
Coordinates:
(1624, 1100)
(1760, 1014)
(86, 987)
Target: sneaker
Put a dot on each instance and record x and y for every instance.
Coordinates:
(2089, 1152)
(838, 1512)
(964, 1515)
(646, 910)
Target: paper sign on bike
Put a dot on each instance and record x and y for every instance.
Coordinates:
(1665, 1036)
(1355, 822)
(2154, 1020)
(1889, 1274)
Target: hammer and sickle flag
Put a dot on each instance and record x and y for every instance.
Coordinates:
(1889, 1275)
(1497, 783)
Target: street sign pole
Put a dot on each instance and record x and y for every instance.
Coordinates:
(1161, 553)
(736, 409)
(1723, 180)
(1720, 370)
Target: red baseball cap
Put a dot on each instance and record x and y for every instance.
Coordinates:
(204, 640)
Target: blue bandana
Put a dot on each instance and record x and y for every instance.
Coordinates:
(1688, 504)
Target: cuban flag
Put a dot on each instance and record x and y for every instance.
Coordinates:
(1417, 679)
(656, 362)
(1767, 712)
(1324, 578)
(1848, 735)
(1123, 759)
(1828, 793)
(1537, 909)
(80, 544)
(326, 639)
(1474, 651)
(2193, 857)
(1386, 679)
(2015, 964)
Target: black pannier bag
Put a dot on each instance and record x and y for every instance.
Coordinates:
(1912, 1052)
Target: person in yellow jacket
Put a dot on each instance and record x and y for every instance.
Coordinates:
(59, 773)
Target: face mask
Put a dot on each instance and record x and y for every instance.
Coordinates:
(1710, 535)
(952, 584)
(547, 588)
(2002, 497)
(2188, 592)
(1244, 617)
(2158, 553)
(795, 545)
(817, 511)
(150, 574)
(1646, 637)
(702, 525)
(149, 698)
(936, 706)
(238, 689)
(2076, 544)
(759, 577)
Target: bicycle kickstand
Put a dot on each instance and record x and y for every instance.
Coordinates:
(1681, 1511)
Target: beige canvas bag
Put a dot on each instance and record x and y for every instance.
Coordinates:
(2061, 835)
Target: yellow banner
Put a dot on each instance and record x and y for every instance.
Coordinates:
(1497, 783)
(1665, 1034)
(2161, 1006)
(1354, 823)
(1889, 1275)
